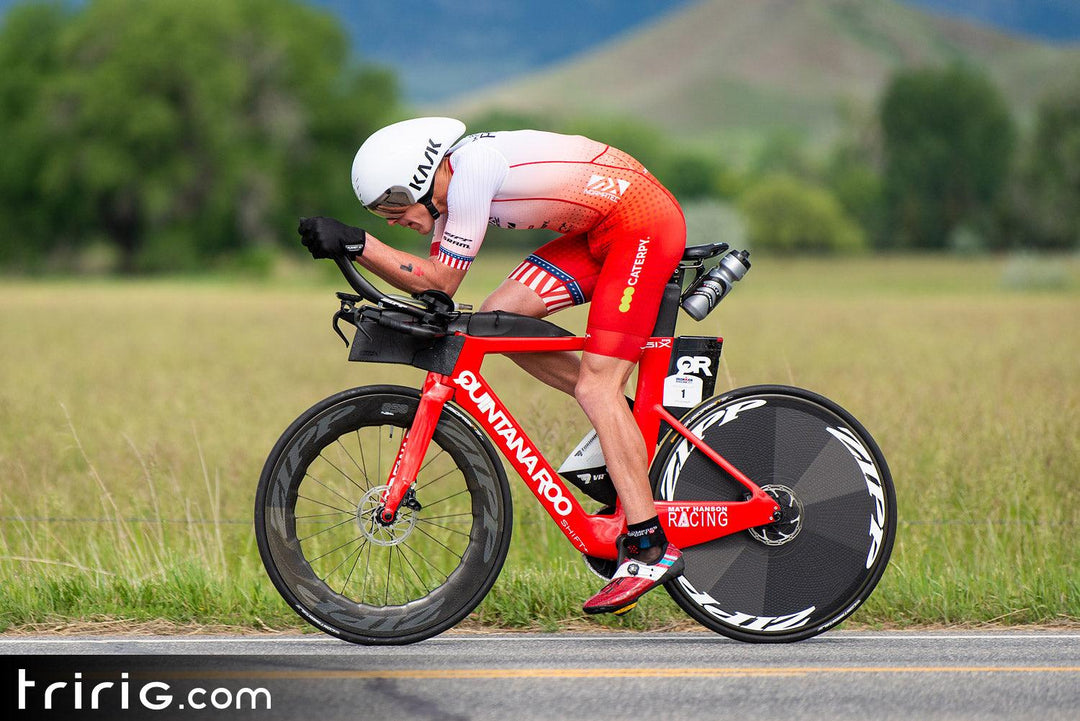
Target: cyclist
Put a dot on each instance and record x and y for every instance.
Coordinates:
(623, 234)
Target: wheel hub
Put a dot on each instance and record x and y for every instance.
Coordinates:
(375, 529)
(787, 526)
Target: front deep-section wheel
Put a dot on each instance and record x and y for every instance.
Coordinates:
(337, 564)
(820, 560)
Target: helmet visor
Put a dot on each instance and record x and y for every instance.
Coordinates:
(392, 202)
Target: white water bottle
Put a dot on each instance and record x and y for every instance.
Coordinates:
(711, 288)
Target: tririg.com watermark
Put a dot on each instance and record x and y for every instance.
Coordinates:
(124, 694)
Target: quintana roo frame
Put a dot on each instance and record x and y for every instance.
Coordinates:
(593, 535)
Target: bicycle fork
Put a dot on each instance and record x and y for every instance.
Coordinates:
(414, 445)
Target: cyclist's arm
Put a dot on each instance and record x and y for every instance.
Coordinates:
(478, 174)
(408, 272)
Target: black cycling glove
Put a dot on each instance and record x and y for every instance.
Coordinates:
(329, 238)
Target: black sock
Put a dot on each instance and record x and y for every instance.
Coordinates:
(646, 541)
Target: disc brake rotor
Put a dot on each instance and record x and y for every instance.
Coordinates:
(367, 517)
(788, 526)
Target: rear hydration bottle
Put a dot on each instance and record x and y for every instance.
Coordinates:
(710, 288)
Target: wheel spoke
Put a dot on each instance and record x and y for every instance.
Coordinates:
(447, 498)
(389, 566)
(378, 468)
(434, 480)
(353, 569)
(445, 528)
(430, 461)
(367, 567)
(449, 515)
(320, 515)
(424, 557)
(312, 500)
(448, 549)
(343, 473)
(367, 481)
(357, 551)
(360, 444)
(347, 500)
(325, 530)
(328, 528)
(334, 549)
(409, 564)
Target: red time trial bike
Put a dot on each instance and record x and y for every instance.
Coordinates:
(383, 513)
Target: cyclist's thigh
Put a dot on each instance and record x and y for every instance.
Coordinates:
(640, 257)
(513, 297)
(560, 274)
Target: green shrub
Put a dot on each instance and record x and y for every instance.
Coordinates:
(787, 215)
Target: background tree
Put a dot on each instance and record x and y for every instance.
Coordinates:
(29, 56)
(948, 144)
(1045, 211)
(788, 215)
(853, 169)
(689, 172)
(179, 130)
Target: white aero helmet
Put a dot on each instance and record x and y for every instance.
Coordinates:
(395, 167)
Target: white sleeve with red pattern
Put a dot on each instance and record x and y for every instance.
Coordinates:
(436, 235)
(479, 172)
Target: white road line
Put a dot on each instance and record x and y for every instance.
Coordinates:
(899, 636)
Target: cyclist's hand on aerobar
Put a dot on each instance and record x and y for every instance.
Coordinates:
(329, 238)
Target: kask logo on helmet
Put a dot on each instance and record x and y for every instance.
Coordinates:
(423, 170)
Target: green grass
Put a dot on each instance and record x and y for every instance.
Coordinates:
(135, 417)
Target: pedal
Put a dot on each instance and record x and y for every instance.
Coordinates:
(603, 567)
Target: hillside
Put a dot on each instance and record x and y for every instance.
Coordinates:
(723, 70)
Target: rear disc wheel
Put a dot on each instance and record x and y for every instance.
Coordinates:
(812, 567)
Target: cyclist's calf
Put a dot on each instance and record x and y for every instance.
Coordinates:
(599, 391)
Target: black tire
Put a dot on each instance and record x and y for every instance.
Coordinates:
(811, 570)
(352, 577)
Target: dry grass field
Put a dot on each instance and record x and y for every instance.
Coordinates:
(135, 417)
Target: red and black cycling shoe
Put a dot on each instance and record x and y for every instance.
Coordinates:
(632, 580)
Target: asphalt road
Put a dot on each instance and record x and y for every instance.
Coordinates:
(841, 675)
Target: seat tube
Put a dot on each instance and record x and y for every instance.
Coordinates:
(649, 395)
(415, 442)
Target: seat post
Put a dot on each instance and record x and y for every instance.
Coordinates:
(669, 307)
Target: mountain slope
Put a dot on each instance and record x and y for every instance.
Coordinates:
(725, 68)
(442, 48)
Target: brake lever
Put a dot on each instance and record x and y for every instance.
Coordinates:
(337, 317)
(347, 312)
